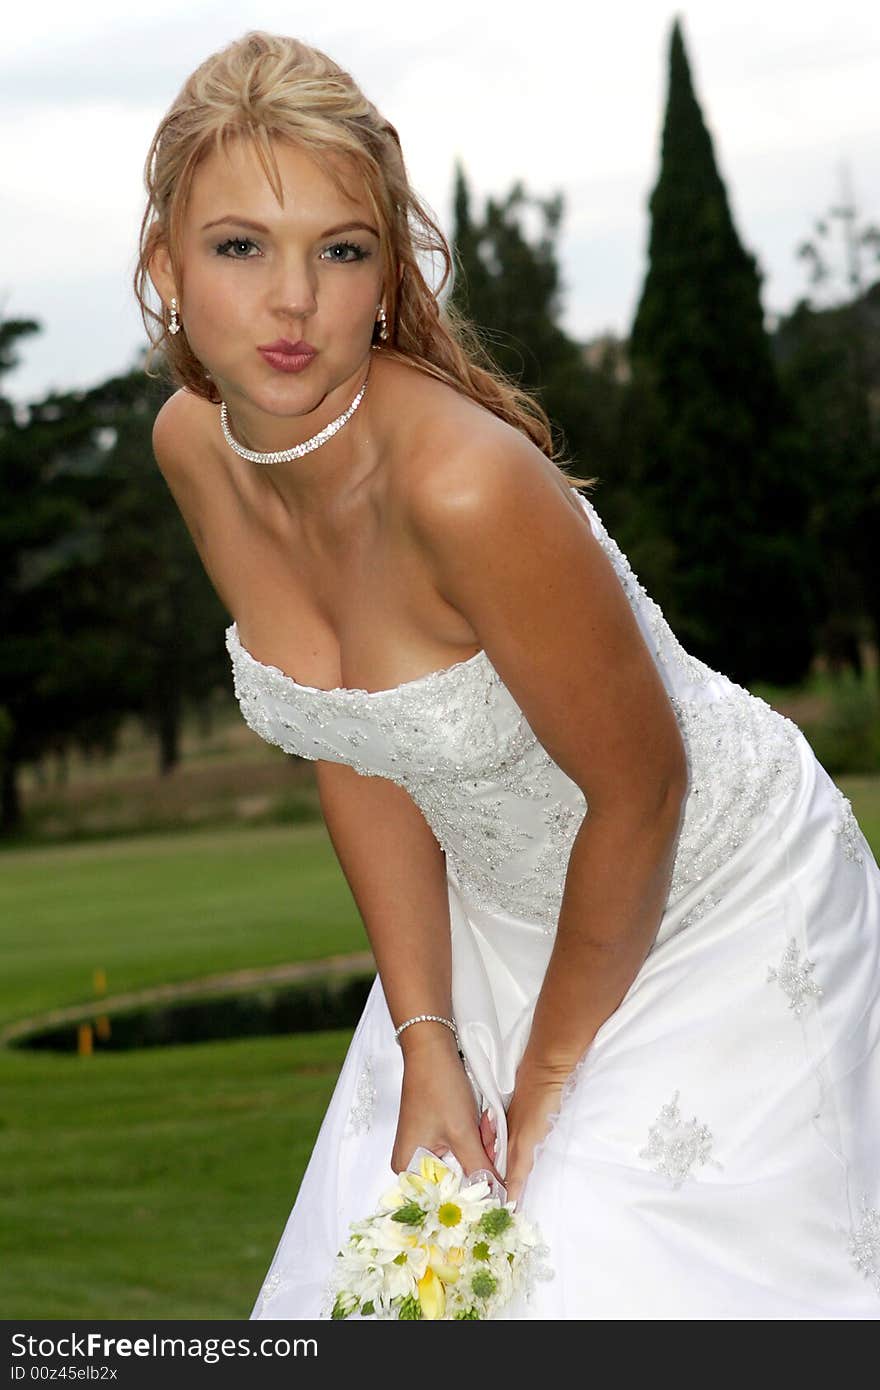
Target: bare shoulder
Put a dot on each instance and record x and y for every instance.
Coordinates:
(184, 449)
(510, 547)
(180, 430)
(456, 457)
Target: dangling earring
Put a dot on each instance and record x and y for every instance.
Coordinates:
(382, 320)
(174, 321)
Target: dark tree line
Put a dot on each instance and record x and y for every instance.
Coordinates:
(105, 609)
(740, 471)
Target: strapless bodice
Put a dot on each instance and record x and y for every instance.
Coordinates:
(503, 811)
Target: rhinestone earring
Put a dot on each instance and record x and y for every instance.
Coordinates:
(382, 320)
(174, 321)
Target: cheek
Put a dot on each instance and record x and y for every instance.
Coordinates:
(215, 301)
(214, 314)
(353, 301)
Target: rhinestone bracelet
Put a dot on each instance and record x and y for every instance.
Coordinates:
(429, 1018)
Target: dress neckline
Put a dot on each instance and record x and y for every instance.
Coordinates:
(234, 641)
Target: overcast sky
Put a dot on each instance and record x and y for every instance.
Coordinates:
(569, 98)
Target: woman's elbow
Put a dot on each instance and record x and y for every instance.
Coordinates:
(648, 798)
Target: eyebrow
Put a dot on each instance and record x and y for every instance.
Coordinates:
(259, 227)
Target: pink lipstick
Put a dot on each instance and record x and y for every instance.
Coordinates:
(286, 356)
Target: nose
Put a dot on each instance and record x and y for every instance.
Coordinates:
(294, 287)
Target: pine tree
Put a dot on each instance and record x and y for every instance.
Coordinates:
(724, 466)
(509, 284)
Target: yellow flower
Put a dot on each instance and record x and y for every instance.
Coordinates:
(432, 1295)
(412, 1184)
(443, 1266)
(432, 1169)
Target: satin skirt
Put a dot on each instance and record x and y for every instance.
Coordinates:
(717, 1150)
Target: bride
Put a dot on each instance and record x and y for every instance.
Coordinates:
(626, 927)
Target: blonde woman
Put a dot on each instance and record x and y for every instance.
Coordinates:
(627, 929)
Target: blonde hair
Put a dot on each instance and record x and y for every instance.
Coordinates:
(266, 86)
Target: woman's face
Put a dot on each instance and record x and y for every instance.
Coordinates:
(256, 275)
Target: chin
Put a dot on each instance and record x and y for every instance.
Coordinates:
(284, 396)
(300, 393)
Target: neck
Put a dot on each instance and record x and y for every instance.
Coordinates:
(263, 432)
(335, 468)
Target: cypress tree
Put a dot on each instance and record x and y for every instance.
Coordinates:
(723, 467)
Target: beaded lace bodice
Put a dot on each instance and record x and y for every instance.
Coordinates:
(503, 811)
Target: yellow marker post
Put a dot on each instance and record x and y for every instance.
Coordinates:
(102, 1024)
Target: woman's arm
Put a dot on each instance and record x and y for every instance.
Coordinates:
(396, 871)
(616, 889)
(511, 554)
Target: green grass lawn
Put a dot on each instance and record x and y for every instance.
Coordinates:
(161, 908)
(154, 1184)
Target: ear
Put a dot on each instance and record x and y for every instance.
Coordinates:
(162, 274)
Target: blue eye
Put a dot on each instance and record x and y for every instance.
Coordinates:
(225, 248)
(359, 253)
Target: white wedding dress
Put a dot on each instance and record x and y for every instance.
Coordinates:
(717, 1150)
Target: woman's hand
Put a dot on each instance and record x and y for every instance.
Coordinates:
(537, 1096)
(437, 1106)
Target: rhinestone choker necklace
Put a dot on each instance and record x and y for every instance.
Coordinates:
(297, 451)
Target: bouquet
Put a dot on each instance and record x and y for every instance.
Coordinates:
(440, 1246)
